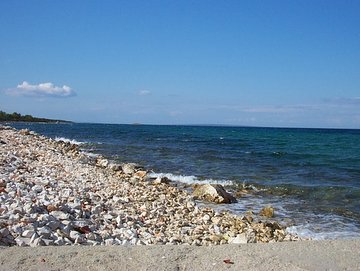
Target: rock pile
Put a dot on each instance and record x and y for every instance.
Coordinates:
(53, 194)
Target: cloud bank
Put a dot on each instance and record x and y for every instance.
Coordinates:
(41, 90)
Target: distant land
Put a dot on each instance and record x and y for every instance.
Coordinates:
(16, 117)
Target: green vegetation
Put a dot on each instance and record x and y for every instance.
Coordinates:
(27, 118)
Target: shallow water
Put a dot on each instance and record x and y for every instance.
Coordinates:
(310, 176)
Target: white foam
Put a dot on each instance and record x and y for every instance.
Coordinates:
(189, 179)
(308, 232)
(90, 154)
(72, 141)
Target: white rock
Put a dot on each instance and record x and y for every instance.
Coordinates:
(134, 241)
(22, 242)
(75, 204)
(59, 242)
(109, 242)
(36, 242)
(108, 216)
(129, 168)
(60, 215)
(239, 239)
(102, 163)
(74, 234)
(37, 188)
(206, 218)
(28, 233)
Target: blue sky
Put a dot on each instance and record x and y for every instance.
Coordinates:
(258, 63)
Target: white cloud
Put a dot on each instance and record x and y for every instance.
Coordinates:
(41, 90)
(144, 92)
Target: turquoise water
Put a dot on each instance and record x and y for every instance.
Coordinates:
(310, 176)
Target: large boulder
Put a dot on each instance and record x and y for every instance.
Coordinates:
(213, 193)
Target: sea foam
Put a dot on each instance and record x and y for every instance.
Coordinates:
(72, 141)
(189, 179)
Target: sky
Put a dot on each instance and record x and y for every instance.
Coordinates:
(247, 63)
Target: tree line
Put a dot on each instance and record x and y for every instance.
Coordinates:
(26, 118)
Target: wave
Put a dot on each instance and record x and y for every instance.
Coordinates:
(190, 179)
(327, 227)
(67, 140)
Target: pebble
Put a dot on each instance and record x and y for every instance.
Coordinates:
(53, 194)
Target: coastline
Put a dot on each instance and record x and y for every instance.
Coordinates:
(53, 194)
(87, 201)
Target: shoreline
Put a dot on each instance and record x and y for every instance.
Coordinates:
(92, 214)
(53, 194)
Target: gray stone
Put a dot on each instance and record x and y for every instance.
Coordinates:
(44, 232)
(53, 225)
(115, 167)
(48, 242)
(213, 193)
(4, 232)
(37, 188)
(129, 168)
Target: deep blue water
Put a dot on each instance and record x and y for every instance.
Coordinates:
(310, 176)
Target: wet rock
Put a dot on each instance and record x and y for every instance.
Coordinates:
(102, 162)
(267, 211)
(160, 180)
(115, 167)
(140, 174)
(213, 193)
(24, 132)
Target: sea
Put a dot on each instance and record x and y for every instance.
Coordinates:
(311, 177)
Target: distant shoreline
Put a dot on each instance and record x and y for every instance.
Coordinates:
(38, 122)
(17, 117)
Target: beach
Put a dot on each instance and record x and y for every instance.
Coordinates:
(95, 214)
(303, 255)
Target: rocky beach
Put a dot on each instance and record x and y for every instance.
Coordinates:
(53, 194)
(82, 206)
